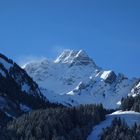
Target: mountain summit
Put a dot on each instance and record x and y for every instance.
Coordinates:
(74, 78)
(74, 57)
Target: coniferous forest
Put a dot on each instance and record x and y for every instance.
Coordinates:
(61, 123)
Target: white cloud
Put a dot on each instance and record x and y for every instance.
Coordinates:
(53, 53)
(22, 60)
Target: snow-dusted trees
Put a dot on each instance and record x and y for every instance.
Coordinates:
(58, 124)
(120, 131)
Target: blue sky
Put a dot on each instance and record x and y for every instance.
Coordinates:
(108, 30)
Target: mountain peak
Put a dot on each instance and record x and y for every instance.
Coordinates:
(74, 57)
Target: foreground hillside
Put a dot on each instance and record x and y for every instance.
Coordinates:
(120, 125)
(130, 118)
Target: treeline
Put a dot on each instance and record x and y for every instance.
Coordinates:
(56, 124)
(131, 103)
(119, 130)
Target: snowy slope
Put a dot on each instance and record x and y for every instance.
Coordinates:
(74, 78)
(129, 116)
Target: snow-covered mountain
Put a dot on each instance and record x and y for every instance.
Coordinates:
(18, 92)
(74, 78)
